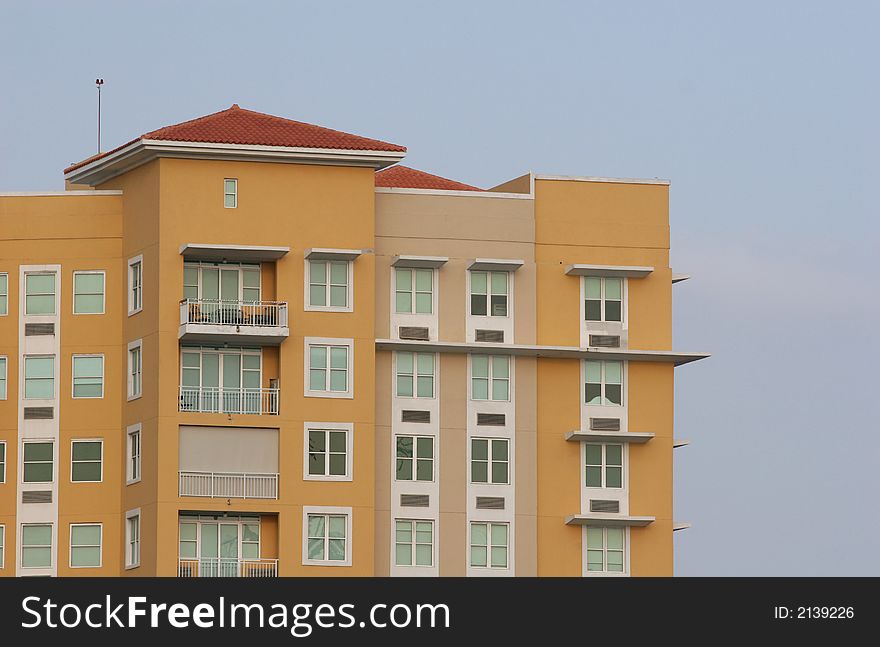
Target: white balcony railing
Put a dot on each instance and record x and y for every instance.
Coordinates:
(219, 399)
(228, 485)
(217, 312)
(226, 567)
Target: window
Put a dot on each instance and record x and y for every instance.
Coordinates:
(85, 545)
(329, 453)
(2, 545)
(415, 375)
(413, 543)
(133, 538)
(328, 284)
(605, 550)
(415, 458)
(603, 298)
(230, 193)
(88, 376)
(227, 380)
(213, 282)
(133, 455)
(489, 545)
(36, 545)
(329, 368)
(211, 546)
(489, 294)
(2, 378)
(413, 290)
(604, 465)
(39, 377)
(38, 462)
(327, 536)
(88, 293)
(490, 377)
(490, 462)
(39, 290)
(4, 293)
(604, 383)
(2, 462)
(135, 284)
(86, 459)
(135, 368)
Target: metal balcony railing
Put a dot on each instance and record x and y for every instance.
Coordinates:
(226, 567)
(219, 399)
(228, 485)
(218, 312)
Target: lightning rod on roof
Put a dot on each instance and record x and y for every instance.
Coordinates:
(98, 84)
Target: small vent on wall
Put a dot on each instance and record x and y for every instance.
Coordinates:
(413, 332)
(33, 329)
(39, 413)
(414, 500)
(36, 496)
(496, 336)
(605, 424)
(490, 503)
(604, 505)
(491, 419)
(415, 416)
(605, 341)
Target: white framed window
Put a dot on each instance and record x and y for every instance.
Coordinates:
(489, 542)
(328, 451)
(39, 377)
(2, 461)
(135, 369)
(133, 538)
(326, 536)
(490, 377)
(36, 545)
(604, 383)
(489, 292)
(135, 284)
(329, 285)
(85, 545)
(329, 368)
(39, 291)
(413, 290)
(133, 454)
(86, 461)
(212, 546)
(3, 366)
(2, 545)
(603, 298)
(88, 292)
(230, 193)
(414, 458)
(38, 461)
(606, 550)
(4, 294)
(413, 542)
(415, 374)
(490, 460)
(604, 465)
(88, 376)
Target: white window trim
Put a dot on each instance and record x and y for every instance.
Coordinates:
(415, 375)
(626, 555)
(100, 545)
(413, 291)
(53, 539)
(489, 461)
(24, 377)
(348, 428)
(489, 545)
(21, 461)
(103, 292)
(325, 510)
(624, 395)
(73, 376)
(5, 461)
(129, 514)
(234, 193)
(328, 341)
(413, 543)
(414, 459)
(133, 429)
(488, 316)
(623, 302)
(130, 299)
(491, 377)
(47, 269)
(624, 469)
(139, 344)
(308, 307)
(86, 440)
(4, 314)
(5, 375)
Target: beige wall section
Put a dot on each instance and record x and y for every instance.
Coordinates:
(525, 466)
(521, 184)
(384, 463)
(452, 548)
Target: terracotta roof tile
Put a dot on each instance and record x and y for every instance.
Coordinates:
(404, 177)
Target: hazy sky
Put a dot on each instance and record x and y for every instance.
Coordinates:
(763, 115)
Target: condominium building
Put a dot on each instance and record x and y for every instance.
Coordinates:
(247, 346)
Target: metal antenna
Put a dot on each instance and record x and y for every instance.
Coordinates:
(98, 84)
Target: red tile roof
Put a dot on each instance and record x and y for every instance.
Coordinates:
(404, 177)
(239, 126)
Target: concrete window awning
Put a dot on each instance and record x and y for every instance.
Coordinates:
(680, 442)
(496, 264)
(608, 520)
(680, 525)
(328, 254)
(617, 271)
(233, 253)
(420, 262)
(678, 278)
(609, 436)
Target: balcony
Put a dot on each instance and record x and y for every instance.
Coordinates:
(227, 567)
(228, 485)
(238, 322)
(218, 399)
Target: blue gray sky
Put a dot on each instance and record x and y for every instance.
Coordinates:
(763, 115)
